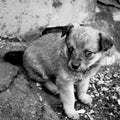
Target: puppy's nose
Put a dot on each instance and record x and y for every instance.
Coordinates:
(75, 66)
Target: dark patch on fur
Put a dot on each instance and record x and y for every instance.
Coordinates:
(66, 30)
(104, 43)
(52, 30)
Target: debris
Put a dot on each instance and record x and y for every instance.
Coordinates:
(89, 116)
(38, 84)
(118, 101)
(116, 16)
(82, 111)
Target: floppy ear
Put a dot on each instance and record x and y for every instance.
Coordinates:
(104, 43)
(66, 30)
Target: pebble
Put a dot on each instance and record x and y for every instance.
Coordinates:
(115, 75)
(82, 111)
(40, 88)
(105, 89)
(38, 84)
(118, 101)
(100, 82)
(40, 98)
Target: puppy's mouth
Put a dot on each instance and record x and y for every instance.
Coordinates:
(81, 69)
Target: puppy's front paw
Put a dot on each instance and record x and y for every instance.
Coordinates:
(73, 114)
(85, 98)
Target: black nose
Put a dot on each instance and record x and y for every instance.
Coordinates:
(75, 66)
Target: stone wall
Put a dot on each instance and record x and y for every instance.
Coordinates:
(20, 16)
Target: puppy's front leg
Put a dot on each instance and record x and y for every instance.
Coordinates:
(66, 90)
(82, 88)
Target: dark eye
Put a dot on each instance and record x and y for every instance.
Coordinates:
(88, 54)
(70, 50)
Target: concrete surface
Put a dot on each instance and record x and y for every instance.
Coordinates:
(20, 16)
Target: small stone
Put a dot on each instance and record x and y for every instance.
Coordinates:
(117, 88)
(115, 75)
(88, 116)
(37, 84)
(100, 82)
(82, 111)
(92, 96)
(116, 16)
(66, 117)
(91, 112)
(108, 76)
(40, 98)
(114, 97)
(105, 89)
(118, 101)
(40, 88)
(59, 113)
(97, 95)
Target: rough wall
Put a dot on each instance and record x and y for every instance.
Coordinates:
(20, 16)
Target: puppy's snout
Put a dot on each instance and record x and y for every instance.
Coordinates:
(75, 65)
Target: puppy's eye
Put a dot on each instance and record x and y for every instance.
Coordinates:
(88, 54)
(70, 50)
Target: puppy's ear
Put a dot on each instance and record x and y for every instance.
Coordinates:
(104, 43)
(66, 30)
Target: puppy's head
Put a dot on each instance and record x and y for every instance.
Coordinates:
(84, 47)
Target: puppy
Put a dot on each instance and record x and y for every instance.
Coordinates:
(62, 63)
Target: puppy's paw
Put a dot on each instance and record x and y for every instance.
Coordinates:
(85, 98)
(73, 114)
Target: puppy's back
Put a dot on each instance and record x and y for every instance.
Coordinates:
(46, 51)
(47, 42)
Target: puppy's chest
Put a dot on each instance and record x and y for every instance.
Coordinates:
(70, 76)
(76, 77)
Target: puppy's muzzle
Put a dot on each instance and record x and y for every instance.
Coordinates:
(75, 65)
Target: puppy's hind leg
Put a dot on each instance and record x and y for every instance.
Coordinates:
(51, 87)
(31, 62)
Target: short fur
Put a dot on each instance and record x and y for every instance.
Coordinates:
(68, 61)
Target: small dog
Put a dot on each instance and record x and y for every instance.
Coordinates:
(62, 63)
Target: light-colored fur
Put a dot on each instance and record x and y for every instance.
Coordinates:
(48, 56)
(110, 57)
